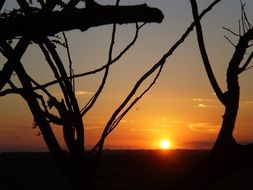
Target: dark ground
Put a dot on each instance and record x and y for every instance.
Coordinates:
(121, 169)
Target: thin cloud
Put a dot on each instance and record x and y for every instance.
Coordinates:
(203, 127)
(175, 122)
(197, 99)
(202, 105)
(77, 93)
(248, 102)
(92, 128)
(168, 123)
(203, 100)
(145, 130)
(83, 93)
(127, 121)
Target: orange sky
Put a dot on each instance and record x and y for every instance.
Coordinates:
(180, 107)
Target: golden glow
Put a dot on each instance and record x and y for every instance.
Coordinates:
(165, 144)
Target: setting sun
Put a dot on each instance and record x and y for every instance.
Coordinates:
(165, 144)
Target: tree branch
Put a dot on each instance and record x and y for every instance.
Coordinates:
(71, 4)
(245, 65)
(33, 103)
(49, 23)
(1, 4)
(203, 52)
(8, 68)
(86, 73)
(229, 30)
(159, 65)
(72, 80)
(95, 97)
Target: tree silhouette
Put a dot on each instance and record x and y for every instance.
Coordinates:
(16, 25)
(39, 24)
(225, 142)
(226, 155)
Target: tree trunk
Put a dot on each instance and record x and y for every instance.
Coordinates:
(225, 142)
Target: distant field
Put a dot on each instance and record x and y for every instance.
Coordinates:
(121, 169)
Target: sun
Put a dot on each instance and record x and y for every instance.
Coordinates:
(165, 144)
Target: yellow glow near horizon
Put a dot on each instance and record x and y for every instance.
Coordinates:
(165, 144)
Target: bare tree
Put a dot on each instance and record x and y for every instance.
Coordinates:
(226, 155)
(38, 97)
(225, 142)
(31, 24)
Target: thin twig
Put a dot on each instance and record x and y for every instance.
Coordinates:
(72, 80)
(42, 89)
(117, 57)
(248, 68)
(246, 64)
(116, 122)
(230, 41)
(242, 17)
(101, 68)
(56, 74)
(92, 101)
(238, 35)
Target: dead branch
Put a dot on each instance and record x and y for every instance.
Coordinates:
(158, 66)
(204, 54)
(71, 71)
(245, 65)
(43, 86)
(1, 4)
(229, 30)
(49, 23)
(99, 90)
(230, 41)
(8, 68)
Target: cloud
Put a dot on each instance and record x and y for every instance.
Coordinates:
(146, 130)
(248, 102)
(171, 121)
(175, 122)
(92, 128)
(127, 121)
(197, 99)
(168, 123)
(202, 105)
(77, 93)
(83, 93)
(203, 100)
(203, 127)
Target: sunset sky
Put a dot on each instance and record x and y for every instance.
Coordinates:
(181, 107)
